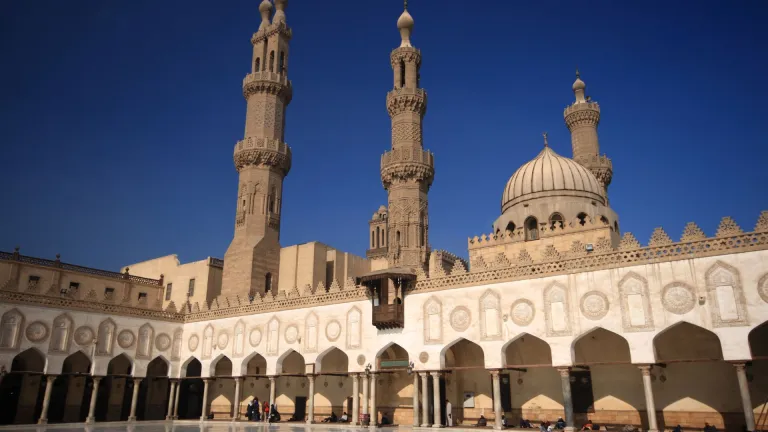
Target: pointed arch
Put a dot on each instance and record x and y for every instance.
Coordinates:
(725, 295)
(490, 315)
(273, 336)
(599, 344)
(221, 366)
(61, 334)
(636, 310)
(354, 328)
(758, 340)
(462, 351)
(526, 349)
(158, 367)
(77, 362)
(311, 322)
(176, 344)
(686, 341)
(29, 360)
(121, 364)
(146, 341)
(433, 321)
(105, 339)
(10, 329)
(191, 367)
(253, 364)
(557, 310)
(238, 344)
(291, 362)
(332, 360)
(207, 342)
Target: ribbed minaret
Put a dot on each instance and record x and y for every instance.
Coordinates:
(407, 170)
(582, 118)
(262, 159)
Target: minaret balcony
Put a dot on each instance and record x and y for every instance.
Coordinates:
(262, 152)
(406, 99)
(266, 76)
(268, 82)
(410, 163)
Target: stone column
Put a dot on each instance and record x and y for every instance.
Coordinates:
(134, 398)
(176, 400)
(436, 400)
(311, 410)
(746, 400)
(565, 381)
(355, 420)
(236, 414)
(204, 414)
(46, 399)
(496, 400)
(171, 395)
(365, 394)
(272, 390)
(94, 394)
(415, 399)
(424, 399)
(374, 409)
(650, 405)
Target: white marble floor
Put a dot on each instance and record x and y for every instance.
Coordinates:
(186, 426)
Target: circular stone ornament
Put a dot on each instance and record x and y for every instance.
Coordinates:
(255, 337)
(162, 342)
(333, 330)
(424, 357)
(522, 312)
(594, 305)
(125, 339)
(291, 333)
(222, 340)
(36, 331)
(84, 335)
(361, 359)
(194, 341)
(678, 298)
(762, 287)
(461, 318)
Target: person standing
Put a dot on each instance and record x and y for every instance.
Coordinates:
(448, 413)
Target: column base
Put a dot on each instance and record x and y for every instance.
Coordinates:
(203, 418)
(426, 425)
(90, 420)
(310, 422)
(175, 418)
(437, 426)
(132, 418)
(569, 429)
(42, 421)
(653, 430)
(498, 427)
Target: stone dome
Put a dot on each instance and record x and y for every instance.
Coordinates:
(551, 175)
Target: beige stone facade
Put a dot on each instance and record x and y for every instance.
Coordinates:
(557, 313)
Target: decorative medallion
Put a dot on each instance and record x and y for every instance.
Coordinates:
(460, 318)
(37, 331)
(333, 330)
(423, 357)
(594, 305)
(162, 342)
(522, 312)
(291, 333)
(678, 298)
(361, 359)
(255, 337)
(222, 340)
(125, 339)
(194, 341)
(84, 335)
(762, 287)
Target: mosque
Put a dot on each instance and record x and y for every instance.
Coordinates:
(557, 313)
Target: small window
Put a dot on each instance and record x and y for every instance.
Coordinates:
(257, 66)
(74, 286)
(268, 282)
(604, 220)
(191, 290)
(531, 229)
(616, 226)
(402, 73)
(281, 65)
(142, 296)
(32, 283)
(272, 61)
(33, 278)
(108, 291)
(555, 221)
(582, 218)
(511, 227)
(168, 290)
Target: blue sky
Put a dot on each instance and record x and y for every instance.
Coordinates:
(119, 118)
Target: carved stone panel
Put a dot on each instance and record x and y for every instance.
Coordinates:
(145, 342)
(310, 333)
(194, 342)
(557, 313)
(354, 328)
(490, 316)
(162, 342)
(594, 305)
(84, 335)
(239, 339)
(636, 311)
(678, 298)
(433, 321)
(333, 330)
(106, 338)
(176, 347)
(125, 339)
(207, 342)
(255, 337)
(522, 312)
(273, 336)
(725, 296)
(222, 340)
(37, 332)
(291, 333)
(61, 334)
(10, 330)
(461, 318)
(762, 287)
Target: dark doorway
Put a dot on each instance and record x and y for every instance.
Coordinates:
(581, 390)
(191, 398)
(9, 397)
(301, 408)
(350, 410)
(506, 393)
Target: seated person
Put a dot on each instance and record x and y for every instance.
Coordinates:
(587, 426)
(344, 418)
(709, 428)
(503, 421)
(544, 426)
(482, 421)
(385, 420)
(678, 428)
(560, 423)
(274, 416)
(525, 423)
(331, 419)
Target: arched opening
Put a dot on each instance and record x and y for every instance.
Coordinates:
(113, 402)
(510, 227)
(531, 229)
(154, 391)
(222, 389)
(604, 220)
(757, 373)
(257, 65)
(556, 221)
(332, 387)
(604, 383)
(281, 68)
(292, 387)
(255, 386)
(466, 361)
(71, 392)
(21, 392)
(191, 390)
(402, 74)
(616, 227)
(693, 367)
(582, 217)
(267, 282)
(533, 384)
(394, 385)
(271, 61)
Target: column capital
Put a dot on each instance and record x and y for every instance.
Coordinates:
(96, 378)
(564, 371)
(272, 378)
(238, 378)
(51, 378)
(494, 372)
(739, 365)
(645, 369)
(436, 374)
(423, 374)
(311, 377)
(137, 380)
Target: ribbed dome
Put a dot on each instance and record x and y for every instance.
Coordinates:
(550, 174)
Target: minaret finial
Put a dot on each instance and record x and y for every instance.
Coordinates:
(546, 142)
(405, 4)
(405, 25)
(578, 75)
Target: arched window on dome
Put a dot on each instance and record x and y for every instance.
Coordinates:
(582, 218)
(531, 229)
(616, 226)
(511, 227)
(556, 221)
(604, 220)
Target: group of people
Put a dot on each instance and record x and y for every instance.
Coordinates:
(544, 426)
(333, 418)
(256, 412)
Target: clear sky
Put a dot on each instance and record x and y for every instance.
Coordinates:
(119, 117)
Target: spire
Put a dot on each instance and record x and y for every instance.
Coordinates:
(280, 12)
(405, 25)
(546, 143)
(579, 87)
(265, 9)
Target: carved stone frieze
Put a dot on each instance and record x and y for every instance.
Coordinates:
(252, 84)
(254, 338)
(594, 305)
(557, 310)
(728, 227)
(762, 222)
(678, 298)
(762, 287)
(291, 333)
(522, 312)
(84, 335)
(126, 339)
(659, 238)
(406, 54)
(726, 296)
(461, 318)
(402, 100)
(193, 342)
(162, 342)
(333, 330)
(37, 332)
(636, 310)
(629, 242)
(692, 232)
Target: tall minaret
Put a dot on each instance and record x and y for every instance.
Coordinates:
(582, 118)
(407, 170)
(262, 159)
